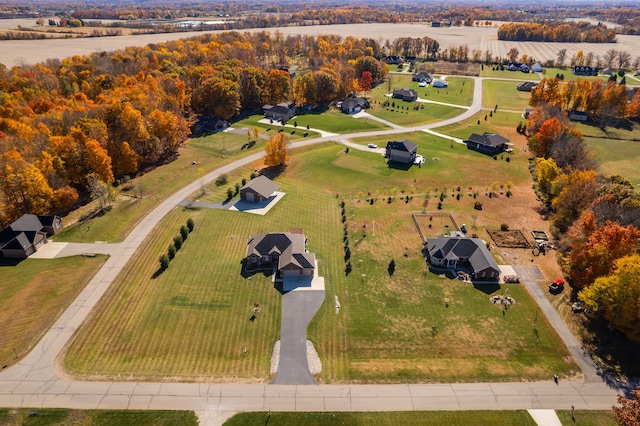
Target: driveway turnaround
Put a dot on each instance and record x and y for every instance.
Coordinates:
(35, 381)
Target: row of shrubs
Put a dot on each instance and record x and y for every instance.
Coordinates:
(176, 244)
(345, 240)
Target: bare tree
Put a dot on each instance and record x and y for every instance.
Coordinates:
(624, 59)
(588, 59)
(562, 55)
(609, 57)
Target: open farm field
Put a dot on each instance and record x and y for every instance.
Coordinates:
(206, 152)
(505, 95)
(33, 294)
(191, 322)
(482, 38)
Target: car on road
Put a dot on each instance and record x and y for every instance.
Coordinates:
(372, 146)
(556, 287)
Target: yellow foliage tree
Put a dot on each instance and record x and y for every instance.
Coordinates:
(277, 152)
(617, 296)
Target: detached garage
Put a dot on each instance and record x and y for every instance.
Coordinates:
(258, 190)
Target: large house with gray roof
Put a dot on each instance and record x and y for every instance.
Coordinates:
(27, 234)
(487, 143)
(465, 254)
(402, 151)
(284, 251)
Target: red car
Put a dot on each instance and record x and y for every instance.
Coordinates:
(556, 287)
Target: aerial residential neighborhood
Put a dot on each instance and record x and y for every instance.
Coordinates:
(286, 213)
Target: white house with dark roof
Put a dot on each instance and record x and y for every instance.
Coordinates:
(259, 189)
(465, 254)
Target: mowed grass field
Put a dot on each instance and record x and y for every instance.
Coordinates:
(505, 95)
(435, 418)
(33, 294)
(500, 122)
(617, 157)
(488, 71)
(192, 322)
(63, 416)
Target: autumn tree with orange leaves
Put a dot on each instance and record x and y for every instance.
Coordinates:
(627, 413)
(277, 151)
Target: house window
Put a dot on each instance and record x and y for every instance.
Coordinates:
(482, 275)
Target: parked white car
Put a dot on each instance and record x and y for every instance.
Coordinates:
(372, 146)
(422, 84)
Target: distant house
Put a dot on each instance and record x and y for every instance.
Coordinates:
(607, 71)
(440, 83)
(284, 251)
(291, 72)
(487, 143)
(394, 59)
(518, 67)
(469, 255)
(436, 24)
(536, 68)
(422, 77)
(527, 112)
(354, 105)
(402, 151)
(526, 86)
(259, 189)
(281, 112)
(578, 115)
(405, 94)
(206, 124)
(27, 234)
(580, 70)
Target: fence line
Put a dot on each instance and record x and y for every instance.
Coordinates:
(414, 215)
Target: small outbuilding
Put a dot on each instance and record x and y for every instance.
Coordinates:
(403, 151)
(578, 115)
(440, 83)
(259, 189)
(536, 68)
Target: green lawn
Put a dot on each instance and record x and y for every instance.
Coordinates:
(617, 157)
(404, 113)
(337, 122)
(459, 92)
(504, 94)
(267, 129)
(63, 416)
(33, 294)
(435, 418)
(586, 418)
(568, 75)
(513, 75)
(502, 123)
(193, 320)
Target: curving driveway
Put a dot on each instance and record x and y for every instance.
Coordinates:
(37, 381)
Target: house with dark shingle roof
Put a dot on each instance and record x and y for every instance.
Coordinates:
(403, 151)
(354, 105)
(284, 251)
(469, 255)
(423, 77)
(526, 86)
(259, 189)
(281, 112)
(27, 234)
(405, 94)
(487, 143)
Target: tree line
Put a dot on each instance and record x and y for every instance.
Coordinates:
(595, 217)
(556, 32)
(70, 125)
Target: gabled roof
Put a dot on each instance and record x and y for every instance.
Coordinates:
(351, 103)
(19, 242)
(262, 185)
(402, 145)
(277, 242)
(405, 93)
(488, 139)
(422, 76)
(454, 248)
(26, 222)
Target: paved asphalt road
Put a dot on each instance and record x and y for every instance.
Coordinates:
(37, 380)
